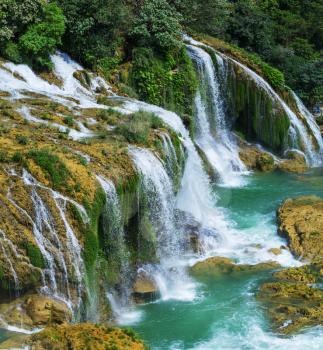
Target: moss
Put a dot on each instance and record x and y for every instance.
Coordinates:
(35, 255)
(55, 170)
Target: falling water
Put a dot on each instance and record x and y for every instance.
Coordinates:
(213, 136)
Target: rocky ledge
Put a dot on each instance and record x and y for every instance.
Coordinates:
(301, 222)
(294, 296)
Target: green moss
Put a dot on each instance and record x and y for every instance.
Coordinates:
(35, 255)
(55, 170)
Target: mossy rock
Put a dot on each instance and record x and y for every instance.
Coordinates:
(292, 300)
(301, 222)
(85, 336)
(216, 267)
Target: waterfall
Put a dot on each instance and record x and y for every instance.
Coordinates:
(114, 233)
(300, 137)
(213, 135)
(172, 161)
(8, 249)
(50, 244)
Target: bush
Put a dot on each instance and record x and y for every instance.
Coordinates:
(69, 121)
(42, 38)
(55, 170)
(274, 76)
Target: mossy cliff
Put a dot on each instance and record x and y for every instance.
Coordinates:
(49, 192)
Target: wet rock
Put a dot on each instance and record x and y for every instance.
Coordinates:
(301, 222)
(218, 266)
(255, 159)
(275, 251)
(295, 163)
(85, 336)
(292, 299)
(144, 288)
(83, 77)
(35, 311)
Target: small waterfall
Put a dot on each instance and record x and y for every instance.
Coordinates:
(114, 232)
(158, 191)
(172, 161)
(50, 245)
(213, 135)
(8, 249)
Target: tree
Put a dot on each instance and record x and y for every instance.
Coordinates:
(157, 24)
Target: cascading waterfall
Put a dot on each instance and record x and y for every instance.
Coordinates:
(212, 135)
(300, 135)
(172, 161)
(50, 245)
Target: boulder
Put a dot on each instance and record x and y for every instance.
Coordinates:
(144, 288)
(35, 311)
(301, 222)
(295, 163)
(255, 159)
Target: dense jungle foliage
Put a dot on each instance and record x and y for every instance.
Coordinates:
(141, 39)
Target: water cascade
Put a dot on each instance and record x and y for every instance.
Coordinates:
(300, 136)
(213, 136)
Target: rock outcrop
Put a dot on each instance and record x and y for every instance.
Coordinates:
(34, 311)
(218, 266)
(292, 299)
(255, 159)
(295, 163)
(144, 288)
(301, 222)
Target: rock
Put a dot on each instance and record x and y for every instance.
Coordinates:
(255, 159)
(275, 251)
(292, 301)
(35, 311)
(301, 222)
(295, 163)
(85, 336)
(43, 310)
(217, 266)
(144, 288)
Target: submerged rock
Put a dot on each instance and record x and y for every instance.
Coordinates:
(292, 301)
(85, 336)
(217, 266)
(34, 311)
(301, 222)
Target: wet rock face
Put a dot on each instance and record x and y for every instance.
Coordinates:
(217, 266)
(35, 311)
(85, 336)
(292, 299)
(301, 222)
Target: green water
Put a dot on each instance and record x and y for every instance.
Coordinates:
(224, 313)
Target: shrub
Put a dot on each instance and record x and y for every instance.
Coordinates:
(22, 140)
(69, 121)
(274, 76)
(42, 38)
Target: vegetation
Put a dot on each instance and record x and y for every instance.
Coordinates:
(108, 35)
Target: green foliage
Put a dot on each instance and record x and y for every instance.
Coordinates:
(41, 39)
(69, 121)
(274, 76)
(35, 255)
(157, 25)
(55, 170)
(166, 81)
